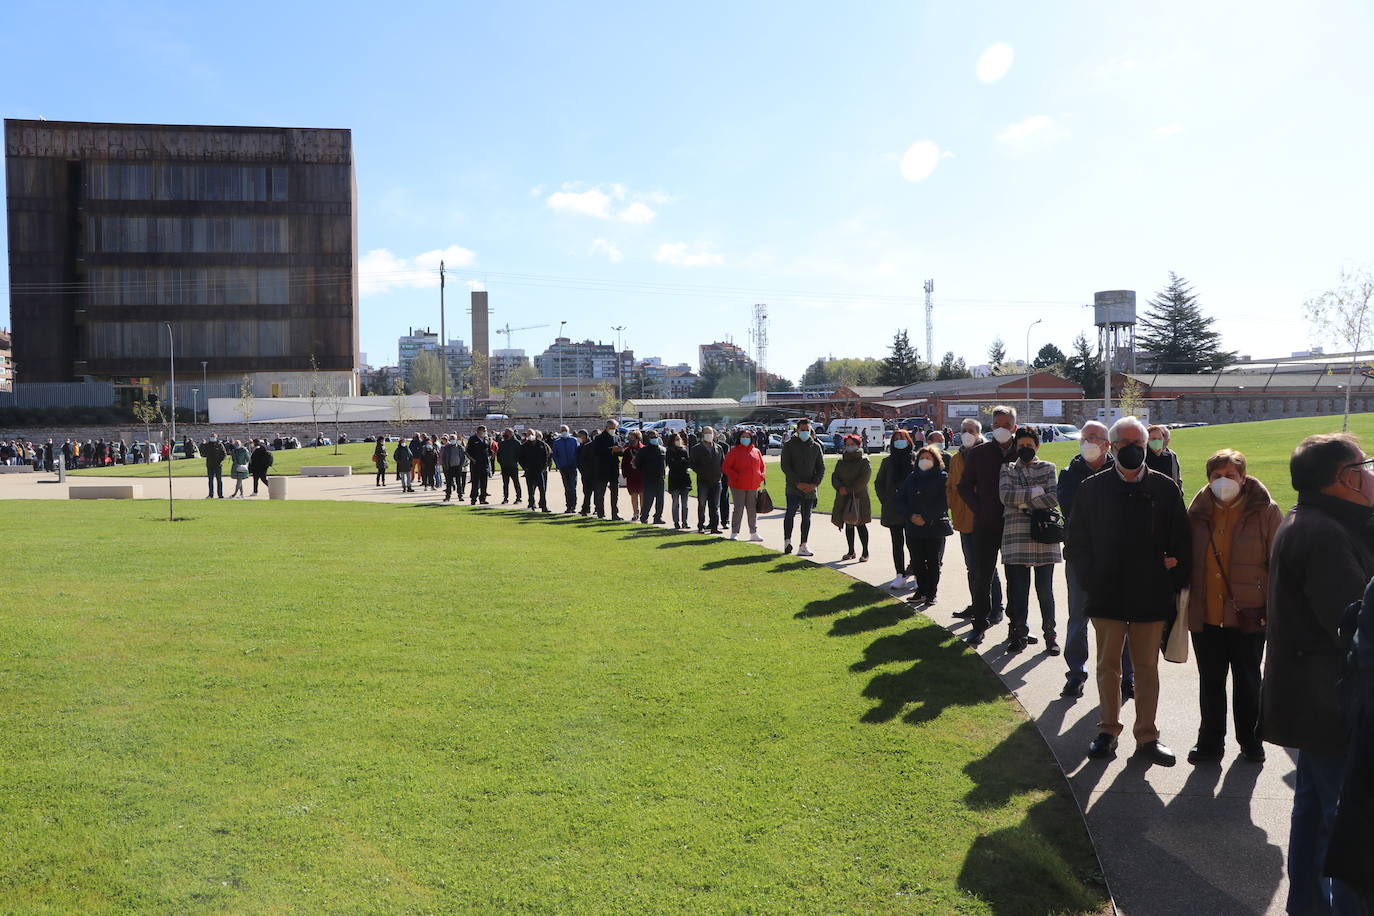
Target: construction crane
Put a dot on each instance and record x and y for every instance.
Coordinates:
(508, 331)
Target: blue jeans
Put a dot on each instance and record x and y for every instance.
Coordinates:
(966, 543)
(795, 502)
(1076, 635)
(214, 476)
(1318, 788)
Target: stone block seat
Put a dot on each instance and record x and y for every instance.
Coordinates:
(107, 491)
(327, 470)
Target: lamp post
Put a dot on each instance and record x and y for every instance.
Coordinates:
(619, 368)
(205, 387)
(195, 403)
(172, 446)
(561, 368)
(1028, 367)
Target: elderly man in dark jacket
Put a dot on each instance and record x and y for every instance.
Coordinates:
(214, 453)
(1322, 560)
(258, 464)
(534, 461)
(1131, 547)
(978, 489)
(1350, 855)
(586, 469)
(454, 459)
(803, 467)
(705, 459)
(479, 465)
(606, 449)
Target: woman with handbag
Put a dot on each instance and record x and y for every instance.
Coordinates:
(1233, 520)
(239, 470)
(634, 483)
(743, 470)
(893, 470)
(924, 506)
(1030, 541)
(853, 508)
(379, 459)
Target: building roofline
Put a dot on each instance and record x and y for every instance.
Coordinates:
(38, 122)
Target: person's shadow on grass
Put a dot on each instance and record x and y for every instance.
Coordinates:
(942, 676)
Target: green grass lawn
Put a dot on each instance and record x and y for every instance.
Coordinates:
(329, 707)
(286, 462)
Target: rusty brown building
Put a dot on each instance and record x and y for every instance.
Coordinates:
(242, 239)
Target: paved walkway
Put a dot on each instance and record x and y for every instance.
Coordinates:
(1203, 840)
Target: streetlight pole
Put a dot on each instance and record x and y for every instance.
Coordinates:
(1028, 367)
(443, 347)
(561, 368)
(195, 404)
(205, 386)
(619, 368)
(172, 446)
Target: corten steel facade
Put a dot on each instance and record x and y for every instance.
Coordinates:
(244, 238)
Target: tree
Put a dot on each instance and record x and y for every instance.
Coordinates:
(148, 413)
(426, 374)
(1132, 397)
(1345, 313)
(848, 371)
(246, 405)
(903, 365)
(332, 403)
(607, 403)
(1176, 335)
(950, 367)
(735, 385)
(997, 355)
(316, 393)
(778, 383)
(400, 410)
(705, 385)
(516, 382)
(1050, 357)
(1084, 368)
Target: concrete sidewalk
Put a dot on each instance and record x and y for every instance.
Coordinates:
(1206, 840)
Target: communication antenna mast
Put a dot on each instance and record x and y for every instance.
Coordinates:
(758, 335)
(930, 322)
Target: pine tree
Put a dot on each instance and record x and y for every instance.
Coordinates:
(952, 368)
(903, 366)
(1177, 336)
(1050, 357)
(1084, 368)
(705, 385)
(997, 355)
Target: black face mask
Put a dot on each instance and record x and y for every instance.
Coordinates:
(1130, 456)
(1026, 454)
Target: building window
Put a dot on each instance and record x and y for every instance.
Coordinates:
(174, 181)
(188, 286)
(177, 234)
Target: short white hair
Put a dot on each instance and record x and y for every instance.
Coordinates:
(1094, 424)
(970, 421)
(1120, 426)
(1005, 410)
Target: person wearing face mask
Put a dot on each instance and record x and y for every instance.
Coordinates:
(1159, 458)
(650, 464)
(679, 479)
(705, 460)
(803, 467)
(508, 460)
(534, 461)
(961, 516)
(479, 449)
(922, 503)
(607, 449)
(892, 473)
(978, 489)
(634, 484)
(1131, 546)
(1026, 486)
(744, 472)
(565, 460)
(1234, 522)
(850, 480)
(1094, 456)
(586, 469)
(1322, 560)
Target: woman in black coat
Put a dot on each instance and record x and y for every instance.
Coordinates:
(379, 459)
(922, 503)
(679, 479)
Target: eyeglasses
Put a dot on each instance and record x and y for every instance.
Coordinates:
(1368, 462)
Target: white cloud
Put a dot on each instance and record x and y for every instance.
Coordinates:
(477, 286)
(601, 202)
(1168, 130)
(380, 271)
(610, 249)
(677, 254)
(920, 160)
(1020, 131)
(537, 191)
(994, 62)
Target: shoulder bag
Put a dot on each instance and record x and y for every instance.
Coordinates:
(764, 504)
(1249, 620)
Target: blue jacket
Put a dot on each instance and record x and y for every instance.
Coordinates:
(1074, 473)
(565, 452)
(923, 494)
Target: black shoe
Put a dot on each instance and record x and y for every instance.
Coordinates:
(965, 614)
(1016, 646)
(713, 531)
(1200, 754)
(1253, 754)
(975, 637)
(1051, 646)
(504, 501)
(659, 521)
(1104, 745)
(996, 618)
(787, 548)
(1127, 690)
(1032, 640)
(1156, 753)
(615, 518)
(1072, 689)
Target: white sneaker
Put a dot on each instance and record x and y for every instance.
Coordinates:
(755, 539)
(734, 535)
(804, 551)
(897, 584)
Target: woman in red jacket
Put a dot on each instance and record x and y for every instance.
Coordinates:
(743, 470)
(634, 484)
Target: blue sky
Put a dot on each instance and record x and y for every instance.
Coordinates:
(664, 167)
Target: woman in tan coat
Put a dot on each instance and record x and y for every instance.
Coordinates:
(850, 480)
(1233, 521)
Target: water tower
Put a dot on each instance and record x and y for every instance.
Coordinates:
(1114, 315)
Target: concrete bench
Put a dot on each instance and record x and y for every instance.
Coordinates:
(327, 470)
(16, 469)
(276, 487)
(108, 491)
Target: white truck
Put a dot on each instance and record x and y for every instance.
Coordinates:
(868, 429)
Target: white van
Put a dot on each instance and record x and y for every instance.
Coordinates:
(664, 427)
(869, 429)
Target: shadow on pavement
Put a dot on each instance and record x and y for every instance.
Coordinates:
(1044, 864)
